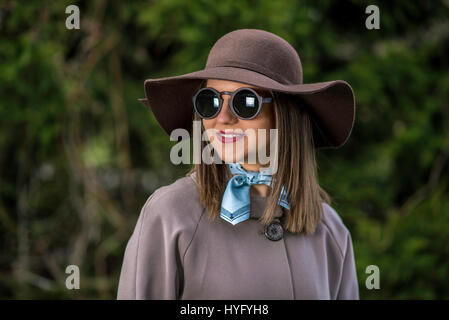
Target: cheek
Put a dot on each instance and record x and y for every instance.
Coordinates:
(269, 119)
(257, 139)
(208, 126)
(265, 124)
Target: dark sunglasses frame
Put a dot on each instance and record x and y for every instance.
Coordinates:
(261, 100)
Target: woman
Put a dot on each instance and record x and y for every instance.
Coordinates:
(239, 229)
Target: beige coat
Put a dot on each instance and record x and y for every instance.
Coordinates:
(176, 252)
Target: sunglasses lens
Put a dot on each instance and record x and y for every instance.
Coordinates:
(246, 104)
(207, 103)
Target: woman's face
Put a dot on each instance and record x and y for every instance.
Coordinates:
(226, 122)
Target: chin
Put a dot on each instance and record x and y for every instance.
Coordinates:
(231, 157)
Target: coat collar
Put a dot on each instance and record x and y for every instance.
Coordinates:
(258, 204)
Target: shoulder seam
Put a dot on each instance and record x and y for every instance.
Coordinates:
(333, 237)
(194, 179)
(193, 236)
(161, 193)
(143, 216)
(196, 225)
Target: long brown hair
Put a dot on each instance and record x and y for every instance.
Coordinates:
(296, 170)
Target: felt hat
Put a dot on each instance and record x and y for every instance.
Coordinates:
(262, 59)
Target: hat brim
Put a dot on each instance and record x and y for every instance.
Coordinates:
(331, 104)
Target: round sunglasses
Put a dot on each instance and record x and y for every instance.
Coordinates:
(245, 103)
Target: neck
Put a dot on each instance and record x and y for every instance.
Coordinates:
(260, 190)
(252, 167)
(256, 189)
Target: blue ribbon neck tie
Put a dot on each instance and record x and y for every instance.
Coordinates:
(235, 205)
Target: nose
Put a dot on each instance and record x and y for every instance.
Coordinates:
(226, 116)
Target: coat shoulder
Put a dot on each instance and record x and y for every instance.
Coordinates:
(177, 203)
(335, 226)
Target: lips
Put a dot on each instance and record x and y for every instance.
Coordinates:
(229, 136)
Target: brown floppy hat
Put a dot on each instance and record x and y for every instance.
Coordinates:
(264, 60)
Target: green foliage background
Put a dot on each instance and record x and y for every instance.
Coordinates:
(79, 155)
